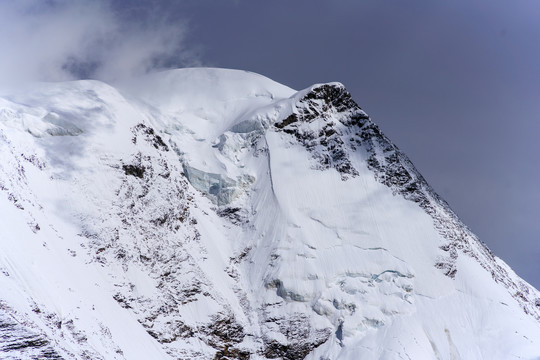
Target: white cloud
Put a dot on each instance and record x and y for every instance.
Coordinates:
(62, 40)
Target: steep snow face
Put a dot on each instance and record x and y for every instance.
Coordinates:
(214, 214)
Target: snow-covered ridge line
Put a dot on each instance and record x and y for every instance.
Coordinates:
(216, 214)
(342, 127)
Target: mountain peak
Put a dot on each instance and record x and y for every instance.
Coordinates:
(210, 214)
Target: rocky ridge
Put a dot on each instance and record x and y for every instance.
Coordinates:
(343, 127)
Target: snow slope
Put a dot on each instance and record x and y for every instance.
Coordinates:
(214, 214)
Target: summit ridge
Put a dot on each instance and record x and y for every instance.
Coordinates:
(216, 214)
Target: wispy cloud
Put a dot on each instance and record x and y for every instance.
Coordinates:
(61, 40)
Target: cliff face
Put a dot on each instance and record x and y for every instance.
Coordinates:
(215, 214)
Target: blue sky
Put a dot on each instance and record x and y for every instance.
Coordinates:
(456, 85)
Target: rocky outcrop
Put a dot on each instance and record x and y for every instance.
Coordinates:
(20, 341)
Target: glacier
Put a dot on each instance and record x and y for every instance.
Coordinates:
(216, 214)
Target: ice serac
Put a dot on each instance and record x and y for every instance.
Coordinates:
(216, 214)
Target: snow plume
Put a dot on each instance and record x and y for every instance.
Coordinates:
(61, 40)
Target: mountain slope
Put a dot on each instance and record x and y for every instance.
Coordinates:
(213, 214)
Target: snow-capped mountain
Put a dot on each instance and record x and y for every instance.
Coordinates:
(216, 214)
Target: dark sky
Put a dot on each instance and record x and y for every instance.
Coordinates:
(455, 84)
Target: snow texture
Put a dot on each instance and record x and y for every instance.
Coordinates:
(216, 214)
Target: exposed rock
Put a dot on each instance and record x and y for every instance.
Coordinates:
(18, 341)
